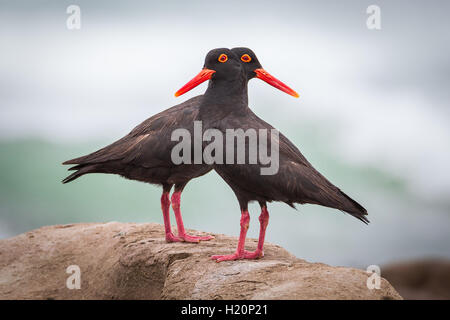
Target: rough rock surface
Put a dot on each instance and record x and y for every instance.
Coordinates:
(424, 279)
(133, 261)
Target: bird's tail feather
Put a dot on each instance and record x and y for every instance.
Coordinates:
(354, 208)
(81, 170)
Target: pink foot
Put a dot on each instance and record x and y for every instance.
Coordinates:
(195, 239)
(253, 255)
(228, 257)
(236, 256)
(171, 238)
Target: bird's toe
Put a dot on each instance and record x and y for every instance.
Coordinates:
(253, 254)
(195, 239)
(227, 257)
(171, 238)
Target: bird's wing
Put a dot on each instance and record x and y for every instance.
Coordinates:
(286, 147)
(296, 181)
(148, 144)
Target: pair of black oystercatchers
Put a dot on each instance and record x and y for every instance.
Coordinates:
(145, 153)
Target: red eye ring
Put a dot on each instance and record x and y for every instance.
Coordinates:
(246, 58)
(223, 58)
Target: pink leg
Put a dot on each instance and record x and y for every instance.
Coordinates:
(176, 200)
(264, 221)
(165, 206)
(240, 252)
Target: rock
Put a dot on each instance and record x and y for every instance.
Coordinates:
(422, 279)
(133, 261)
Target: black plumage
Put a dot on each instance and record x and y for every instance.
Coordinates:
(296, 180)
(145, 153)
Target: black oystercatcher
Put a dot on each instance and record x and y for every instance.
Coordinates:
(145, 153)
(225, 106)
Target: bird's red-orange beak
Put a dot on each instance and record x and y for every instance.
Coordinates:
(265, 76)
(204, 75)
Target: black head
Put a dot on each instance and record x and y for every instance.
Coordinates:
(248, 60)
(253, 69)
(220, 64)
(225, 64)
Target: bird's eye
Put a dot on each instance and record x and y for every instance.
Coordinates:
(223, 58)
(246, 58)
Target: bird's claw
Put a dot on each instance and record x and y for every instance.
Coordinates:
(171, 238)
(228, 257)
(187, 238)
(237, 256)
(253, 254)
(195, 239)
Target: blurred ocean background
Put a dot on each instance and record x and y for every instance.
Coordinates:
(373, 114)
